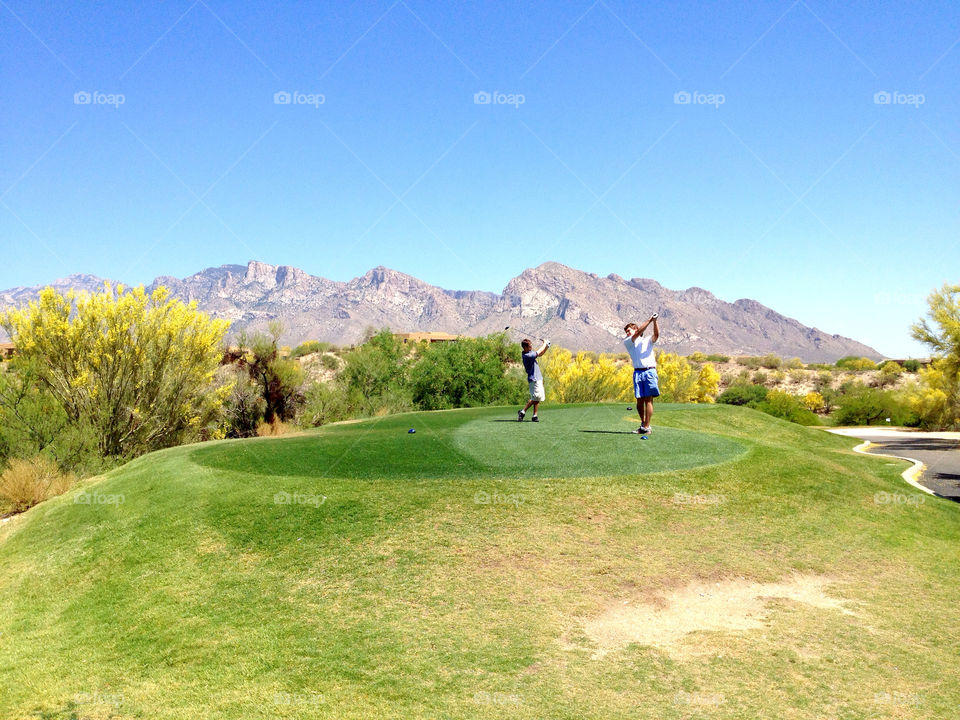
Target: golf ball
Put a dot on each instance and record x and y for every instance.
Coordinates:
(629, 407)
(411, 431)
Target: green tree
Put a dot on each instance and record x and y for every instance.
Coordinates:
(134, 367)
(467, 373)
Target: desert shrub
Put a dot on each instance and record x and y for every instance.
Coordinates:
(851, 362)
(135, 367)
(32, 422)
(308, 348)
(819, 366)
(273, 429)
(759, 378)
(823, 380)
(771, 361)
(27, 482)
(244, 406)
(718, 358)
(911, 365)
(862, 405)
(468, 373)
(743, 377)
(279, 380)
(794, 364)
(749, 361)
(777, 377)
(330, 362)
(889, 374)
(787, 407)
(324, 403)
(934, 399)
(697, 357)
(577, 378)
(749, 395)
(814, 402)
(797, 375)
(376, 368)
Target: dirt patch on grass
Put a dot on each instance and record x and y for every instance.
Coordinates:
(726, 606)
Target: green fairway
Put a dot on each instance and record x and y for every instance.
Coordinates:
(484, 568)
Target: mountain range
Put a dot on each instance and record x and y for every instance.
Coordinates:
(576, 309)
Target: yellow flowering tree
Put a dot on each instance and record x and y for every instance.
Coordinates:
(135, 368)
(587, 378)
(936, 399)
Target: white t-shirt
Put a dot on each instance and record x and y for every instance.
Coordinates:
(641, 353)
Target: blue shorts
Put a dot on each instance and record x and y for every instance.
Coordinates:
(645, 383)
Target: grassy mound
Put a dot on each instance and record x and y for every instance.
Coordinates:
(483, 569)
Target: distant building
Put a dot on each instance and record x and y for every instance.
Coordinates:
(7, 350)
(429, 337)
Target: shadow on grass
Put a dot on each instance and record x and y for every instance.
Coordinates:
(611, 432)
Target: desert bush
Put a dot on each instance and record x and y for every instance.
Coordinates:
(797, 375)
(759, 378)
(273, 429)
(324, 403)
(330, 362)
(794, 364)
(577, 378)
(770, 362)
(468, 373)
(749, 395)
(889, 374)
(851, 362)
(743, 377)
(777, 377)
(697, 357)
(749, 361)
(862, 405)
(133, 366)
(823, 380)
(934, 398)
(814, 402)
(911, 365)
(244, 406)
(27, 482)
(718, 358)
(787, 407)
(308, 348)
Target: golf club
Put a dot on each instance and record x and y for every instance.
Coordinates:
(521, 330)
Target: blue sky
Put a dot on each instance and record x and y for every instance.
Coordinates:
(783, 179)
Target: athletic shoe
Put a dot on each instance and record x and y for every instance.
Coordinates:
(520, 414)
(638, 431)
(644, 430)
(534, 419)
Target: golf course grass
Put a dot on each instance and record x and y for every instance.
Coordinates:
(482, 568)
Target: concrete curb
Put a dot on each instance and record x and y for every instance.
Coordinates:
(910, 474)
